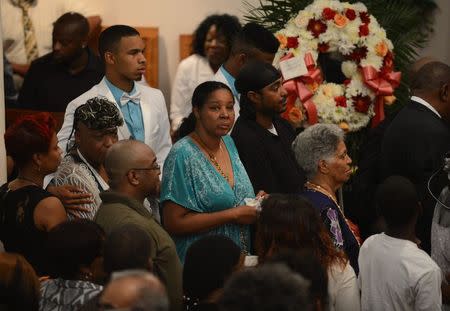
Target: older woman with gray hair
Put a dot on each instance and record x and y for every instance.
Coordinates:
(320, 150)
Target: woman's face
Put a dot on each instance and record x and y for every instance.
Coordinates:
(339, 164)
(51, 160)
(216, 116)
(216, 48)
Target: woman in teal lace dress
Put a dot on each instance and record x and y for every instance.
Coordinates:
(204, 183)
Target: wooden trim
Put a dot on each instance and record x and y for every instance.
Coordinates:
(12, 114)
(150, 37)
(185, 45)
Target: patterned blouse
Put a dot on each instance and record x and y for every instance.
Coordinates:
(66, 295)
(190, 180)
(74, 170)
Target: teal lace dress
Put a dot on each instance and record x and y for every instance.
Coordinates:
(191, 180)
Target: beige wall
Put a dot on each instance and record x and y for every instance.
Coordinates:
(439, 45)
(174, 17)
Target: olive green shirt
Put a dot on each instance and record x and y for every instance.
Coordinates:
(117, 210)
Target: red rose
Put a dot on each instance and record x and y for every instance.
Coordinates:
(361, 103)
(350, 14)
(358, 54)
(328, 14)
(323, 47)
(365, 17)
(316, 27)
(347, 82)
(340, 101)
(292, 42)
(363, 30)
(388, 61)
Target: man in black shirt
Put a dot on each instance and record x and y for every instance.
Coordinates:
(262, 137)
(71, 69)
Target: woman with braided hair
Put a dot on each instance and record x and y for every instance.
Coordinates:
(95, 130)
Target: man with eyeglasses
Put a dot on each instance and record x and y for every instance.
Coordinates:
(133, 173)
(94, 131)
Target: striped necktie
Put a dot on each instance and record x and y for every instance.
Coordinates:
(31, 48)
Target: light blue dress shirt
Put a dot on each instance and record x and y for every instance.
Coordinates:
(131, 111)
(230, 80)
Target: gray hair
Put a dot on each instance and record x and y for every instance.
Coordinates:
(317, 142)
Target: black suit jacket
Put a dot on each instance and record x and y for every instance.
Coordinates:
(268, 158)
(414, 146)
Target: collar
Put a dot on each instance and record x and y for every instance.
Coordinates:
(94, 172)
(112, 197)
(426, 104)
(116, 92)
(230, 79)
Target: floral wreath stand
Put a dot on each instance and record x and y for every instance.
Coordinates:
(332, 26)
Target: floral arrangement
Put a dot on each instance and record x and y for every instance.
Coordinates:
(333, 26)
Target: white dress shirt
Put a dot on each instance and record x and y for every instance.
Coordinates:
(191, 72)
(343, 288)
(426, 104)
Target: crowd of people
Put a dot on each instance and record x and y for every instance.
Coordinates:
(221, 204)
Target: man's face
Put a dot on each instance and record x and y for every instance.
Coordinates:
(67, 43)
(93, 144)
(272, 99)
(149, 171)
(128, 59)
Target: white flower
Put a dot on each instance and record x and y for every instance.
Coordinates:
(349, 68)
(302, 19)
(372, 60)
(359, 7)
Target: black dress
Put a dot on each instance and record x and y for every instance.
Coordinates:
(18, 232)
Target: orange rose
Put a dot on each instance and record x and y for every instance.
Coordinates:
(389, 100)
(381, 48)
(282, 39)
(313, 87)
(340, 20)
(344, 126)
(295, 115)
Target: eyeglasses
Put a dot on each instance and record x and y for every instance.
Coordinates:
(154, 167)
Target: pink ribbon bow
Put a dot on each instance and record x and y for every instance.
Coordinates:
(296, 88)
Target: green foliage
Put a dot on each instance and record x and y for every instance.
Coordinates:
(408, 24)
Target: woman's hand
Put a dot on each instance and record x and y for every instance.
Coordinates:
(71, 196)
(261, 194)
(244, 214)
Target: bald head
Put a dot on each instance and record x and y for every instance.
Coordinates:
(125, 155)
(431, 77)
(129, 291)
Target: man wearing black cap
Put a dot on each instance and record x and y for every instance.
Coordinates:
(262, 137)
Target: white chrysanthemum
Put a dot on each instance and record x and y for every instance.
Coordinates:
(302, 19)
(336, 5)
(345, 47)
(372, 60)
(359, 7)
(349, 68)
(291, 30)
(352, 31)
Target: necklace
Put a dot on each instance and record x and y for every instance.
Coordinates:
(322, 190)
(29, 180)
(212, 157)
